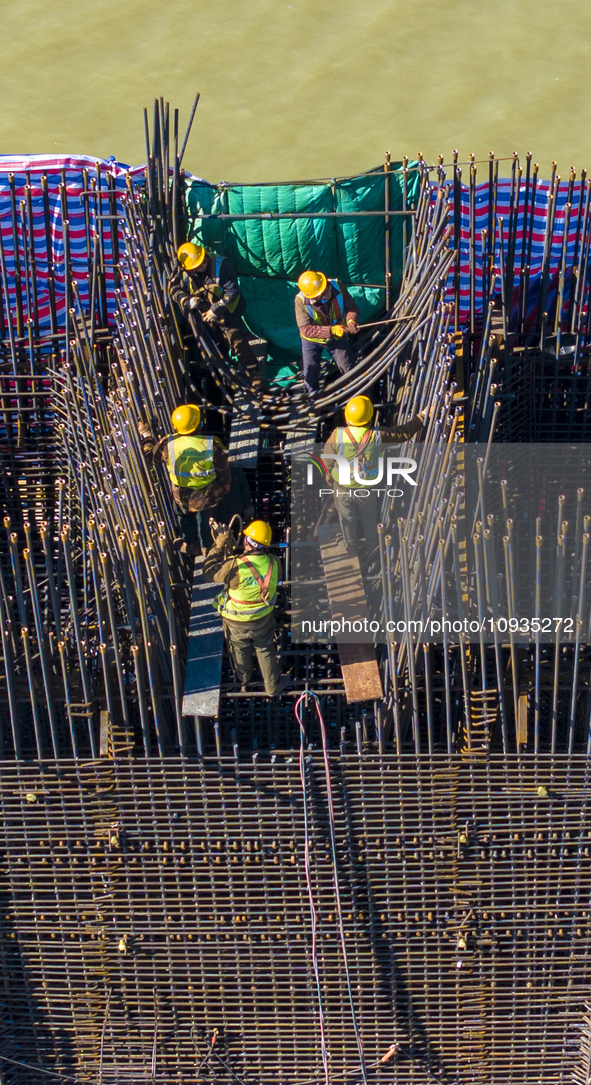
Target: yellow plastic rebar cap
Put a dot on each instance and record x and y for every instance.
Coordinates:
(191, 256)
(359, 411)
(259, 532)
(312, 283)
(186, 418)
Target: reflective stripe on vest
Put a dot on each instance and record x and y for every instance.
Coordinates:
(190, 461)
(257, 589)
(229, 306)
(337, 311)
(357, 447)
(216, 276)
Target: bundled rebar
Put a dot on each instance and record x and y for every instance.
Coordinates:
(520, 372)
(93, 607)
(93, 597)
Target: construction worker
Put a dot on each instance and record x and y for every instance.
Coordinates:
(247, 603)
(197, 466)
(325, 315)
(207, 284)
(360, 438)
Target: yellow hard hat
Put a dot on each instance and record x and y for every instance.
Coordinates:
(191, 256)
(187, 418)
(312, 283)
(359, 411)
(259, 532)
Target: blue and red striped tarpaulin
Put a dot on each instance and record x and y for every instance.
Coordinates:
(530, 235)
(77, 173)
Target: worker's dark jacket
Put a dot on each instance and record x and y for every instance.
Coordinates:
(216, 287)
(328, 312)
(219, 569)
(193, 500)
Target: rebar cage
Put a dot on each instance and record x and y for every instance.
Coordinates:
(415, 914)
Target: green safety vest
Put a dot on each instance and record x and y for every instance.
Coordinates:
(190, 461)
(256, 592)
(336, 315)
(354, 441)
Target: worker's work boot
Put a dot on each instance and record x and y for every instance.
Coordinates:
(349, 547)
(235, 687)
(284, 682)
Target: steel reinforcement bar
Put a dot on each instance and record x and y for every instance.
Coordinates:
(156, 916)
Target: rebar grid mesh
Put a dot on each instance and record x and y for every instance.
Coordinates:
(155, 902)
(547, 395)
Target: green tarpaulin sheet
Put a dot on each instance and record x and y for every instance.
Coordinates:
(269, 255)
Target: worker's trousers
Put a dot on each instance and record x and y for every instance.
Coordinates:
(237, 337)
(351, 509)
(246, 638)
(340, 351)
(195, 525)
(231, 504)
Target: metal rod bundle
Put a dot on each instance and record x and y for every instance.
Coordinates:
(92, 601)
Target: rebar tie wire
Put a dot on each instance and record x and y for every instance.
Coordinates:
(40, 1070)
(302, 766)
(331, 820)
(212, 1051)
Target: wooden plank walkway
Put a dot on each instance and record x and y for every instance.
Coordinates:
(245, 432)
(206, 638)
(346, 596)
(301, 441)
(205, 649)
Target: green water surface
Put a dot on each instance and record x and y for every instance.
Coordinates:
(299, 88)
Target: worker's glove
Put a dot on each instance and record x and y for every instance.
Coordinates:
(209, 317)
(352, 327)
(219, 533)
(427, 411)
(144, 430)
(193, 303)
(338, 330)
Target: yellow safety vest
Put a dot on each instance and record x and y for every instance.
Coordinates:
(257, 589)
(352, 441)
(190, 461)
(336, 315)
